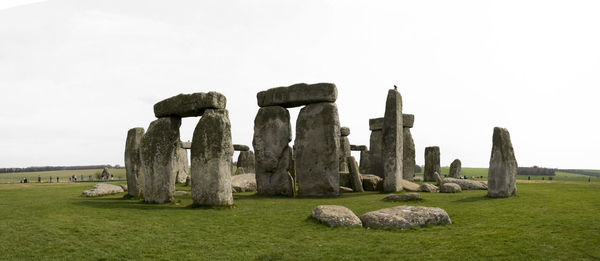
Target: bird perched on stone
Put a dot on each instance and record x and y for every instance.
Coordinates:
(395, 87)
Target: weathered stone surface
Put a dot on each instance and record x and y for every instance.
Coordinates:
(344, 153)
(106, 173)
(405, 217)
(335, 216)
(426, 187)
(180, 193)
(159, 158)
(102, 189)
(243, 183)
(438, 178)
(345, 180)
(466, 184)
(375, 153)
(316, 150)
(502, 172)
(189, 105)
(239, 147)
(450, 188)
(403, 197)
(211, 160)
(410, 186)
(358, 147)
(365, 164)
(133, 162)
(371, 182)
(297, 95)
(123, 186)
(273, 155)
(392, 143)
(245, 163)
(186, 145)
(376, 124)
(188, 181)
(355, 177)
(345, 189)
(432, 163)
(418, 179)
(183, 169)
(455, 168)
(408, 155)
(344, 131)
(408, 120)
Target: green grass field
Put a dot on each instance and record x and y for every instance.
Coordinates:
(62, 174)
(547, 220)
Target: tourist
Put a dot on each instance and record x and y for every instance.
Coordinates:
(39, 179)
(57, 180)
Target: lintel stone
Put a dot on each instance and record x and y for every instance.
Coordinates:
(297, 95)
(189, 105)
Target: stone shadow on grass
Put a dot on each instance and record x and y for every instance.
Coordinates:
(121, 203)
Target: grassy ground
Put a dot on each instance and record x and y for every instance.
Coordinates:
(550, 220)
(62, 174)
(560, 176)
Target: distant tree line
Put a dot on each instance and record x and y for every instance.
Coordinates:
(52, 168)
(536, 171)
(582, 172)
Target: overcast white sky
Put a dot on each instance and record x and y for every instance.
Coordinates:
(76, 75)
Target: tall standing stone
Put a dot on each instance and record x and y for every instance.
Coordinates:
(432, 163)
(455, 168)
(183, 170)
(376, 147)
(133, 162)
(355, 176)
(392, 143)
(159, 158)
(245, 163)
(502, 172)
(344, 148)
(408, 147)
(316, 148)
(273, 155)
(212, 151)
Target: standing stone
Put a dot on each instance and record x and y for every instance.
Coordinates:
(392, 143)
(455, 168)
(245, 163)
(376, 147)
(344, 148)
(212, 151)
(316, 148)
(355, 176)
(365, 164)
(159, 158)
(183, 170)
(133, 162)
(432, 163)
(408, 155)
(273, 155)
(502, 172)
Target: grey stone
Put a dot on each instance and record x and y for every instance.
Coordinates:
(418, 179)
(133, 162)
(243, 183)
(432, 163)
(408, 120)
(180, 193)
(344, 153)
(124, 187)
(189, 105)
(335, 216)
(355, 176)
(239, 147)
(358, 147)
(183, 170)
(345, 189)
(403, 217)
(438, 178)
(186, 145)
(392, 143)
(502, 172)
(371, 182)
(211, 160)
(159, 158)
(376, 124)
(466, 184)
(188, 181)
(105, 173)
(426, 187)
(450, 188)
(316, 150)
(365, 165)
(297, 95)
(375, 153)
(344, 131)
(403, 197)
(455, 168)
(410, 186)
(345, 179)
(273, 155)
(408, 155)
(245, 163)
(101, 190)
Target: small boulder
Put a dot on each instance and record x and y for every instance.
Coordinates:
(102, 189)
(450, 188)
(410, 186)
(426, 187)
(180, 193)
(243, 183)
(418, 179)
(466, 184)
(403, 197)
(405, 217)
(335, 216)
(371, 182)
(345, 189)
(124, 187)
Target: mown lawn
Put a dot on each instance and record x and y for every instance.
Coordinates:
(62, 174)
(551, 220)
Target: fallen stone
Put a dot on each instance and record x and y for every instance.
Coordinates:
(450, 188)
(403, 197)
(466, 184)
(426, 187)
(410, 186)
(371, 182)
(502, 172)
(418, 179)
(403, 217)
(355, 177)
(243, 183)
(375, 124)
(408, 120)
(335, 216)
(239, 147)
(316, 150)
(212, 151)
(101, 190)
(358, 147)
(344, 131)
(133, 162)
(455, 168)
(189, 105)
(345, 189)
(297, 95)
(392, 143)
(180, 193)
(432, 163)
